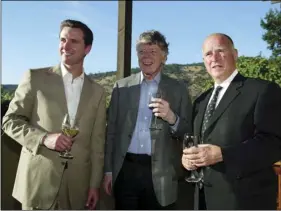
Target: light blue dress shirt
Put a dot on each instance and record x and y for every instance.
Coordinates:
(141, 139)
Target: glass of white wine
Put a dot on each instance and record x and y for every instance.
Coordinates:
(69, 128)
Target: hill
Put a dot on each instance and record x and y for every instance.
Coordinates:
(194, 75)
(9, 87)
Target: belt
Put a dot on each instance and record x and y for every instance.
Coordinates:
(143, 159)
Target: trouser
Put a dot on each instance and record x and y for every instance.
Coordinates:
(133, 188)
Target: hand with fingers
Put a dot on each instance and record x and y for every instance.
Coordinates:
(107, 183)
(161, 108)
(187, 163)
(93, 197)
(58, 142)
(203, 155)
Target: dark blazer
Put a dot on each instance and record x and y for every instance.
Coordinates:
(247, 126)
(166, 150)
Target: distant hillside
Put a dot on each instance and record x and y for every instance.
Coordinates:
(194, 75)
(10, 87)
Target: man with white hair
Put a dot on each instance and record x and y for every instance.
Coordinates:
(238, 121)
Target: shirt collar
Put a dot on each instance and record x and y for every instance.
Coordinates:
(227, 82)
(156, 78)
(65, 72)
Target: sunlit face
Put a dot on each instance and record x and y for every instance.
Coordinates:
(72, 46)
(151, 58)
(219, 57)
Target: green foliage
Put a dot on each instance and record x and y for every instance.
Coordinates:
(172, 68)
(206, 84)
(6, 95)
(272, 25)
(260, 67)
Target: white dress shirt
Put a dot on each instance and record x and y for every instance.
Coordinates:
(72, 88)
(225, 84)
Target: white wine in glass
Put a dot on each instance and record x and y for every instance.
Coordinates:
(69, 128)
(70, 132)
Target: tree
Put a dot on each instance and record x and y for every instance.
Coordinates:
(272, 25)
(260, 67)
(5, 95)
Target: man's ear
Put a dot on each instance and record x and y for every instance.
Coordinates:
(235, 53)
(164, 58)
(88, 49)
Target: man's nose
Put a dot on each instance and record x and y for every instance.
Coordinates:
(215, 56)
(67, 45)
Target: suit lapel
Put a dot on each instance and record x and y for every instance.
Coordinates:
(85, 96)
(60, 92)
(231, 93)
(201, 112)
(157, 134)
(134, 97)
(163, 86)
(134, 91)
(56, 70)
(57, 85)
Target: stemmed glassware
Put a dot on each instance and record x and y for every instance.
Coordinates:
(69, 128)
(152, 96)
(189, 141)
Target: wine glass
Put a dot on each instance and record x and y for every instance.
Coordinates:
(153, 96)
(189, 141)
(69, 128)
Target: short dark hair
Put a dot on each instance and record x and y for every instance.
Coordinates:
(154, 37)
(88, 34)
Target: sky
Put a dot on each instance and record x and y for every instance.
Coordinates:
(30, 30)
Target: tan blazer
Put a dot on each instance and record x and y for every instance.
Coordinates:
(38, 107)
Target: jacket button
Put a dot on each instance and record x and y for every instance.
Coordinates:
(238, 177)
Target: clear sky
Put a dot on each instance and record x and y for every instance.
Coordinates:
(30, 30)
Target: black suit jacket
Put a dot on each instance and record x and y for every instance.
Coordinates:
(247, 126)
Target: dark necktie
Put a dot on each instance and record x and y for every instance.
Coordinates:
(210, 110)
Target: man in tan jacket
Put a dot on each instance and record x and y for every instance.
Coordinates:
(45, 180)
